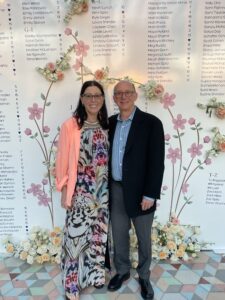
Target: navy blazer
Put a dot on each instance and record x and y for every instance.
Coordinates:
(143, 161)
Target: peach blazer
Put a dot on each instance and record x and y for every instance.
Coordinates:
(67, 157)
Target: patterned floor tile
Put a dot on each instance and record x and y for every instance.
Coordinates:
(202, 278)
(187, 277)
(216, 296)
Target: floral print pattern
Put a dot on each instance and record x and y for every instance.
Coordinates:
(85, 233)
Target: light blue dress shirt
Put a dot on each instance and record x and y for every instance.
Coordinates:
(119, 144)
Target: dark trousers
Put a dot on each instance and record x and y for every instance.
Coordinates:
(121, 224)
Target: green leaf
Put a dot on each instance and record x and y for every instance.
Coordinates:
(45, 135)
(43, 96)
(48, 104)
(175, 136)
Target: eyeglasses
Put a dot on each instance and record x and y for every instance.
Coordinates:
(126, 94)
(89, 97)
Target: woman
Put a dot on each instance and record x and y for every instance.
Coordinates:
(81, 176)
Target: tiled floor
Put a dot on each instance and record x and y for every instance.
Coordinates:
(201, 278)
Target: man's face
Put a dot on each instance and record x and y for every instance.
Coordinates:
(125, 96)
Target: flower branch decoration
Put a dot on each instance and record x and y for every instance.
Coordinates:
(75, 7)
(152, 90)
(181, 173)
(214, 105)
(53, 72)
(218, 142)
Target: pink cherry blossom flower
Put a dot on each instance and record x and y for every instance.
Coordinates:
(35, 189)
(81, 48)
(55, 143)
(100, 74)
(208, 161)
(44, 181)
(35, 112)
(167, 137)
(46, 129)
(167, 100)
(179, 122)
(206, 139)
(194, 150)
(43, 199)
(28, 131)
(184, 188)
(173, 154)
(191, 121)
(158, 90)
(78, 64)
(68, 31)
(51, 66)
(60, 75)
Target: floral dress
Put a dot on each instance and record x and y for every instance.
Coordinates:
(86, 227)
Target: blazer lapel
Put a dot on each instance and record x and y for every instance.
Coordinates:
(134, 129)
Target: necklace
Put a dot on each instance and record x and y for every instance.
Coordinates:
(91, 123)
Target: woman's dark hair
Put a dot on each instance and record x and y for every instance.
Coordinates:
(80, 113)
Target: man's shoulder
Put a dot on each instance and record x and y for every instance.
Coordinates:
(148, 117)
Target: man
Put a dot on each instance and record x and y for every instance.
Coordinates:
(136, 172)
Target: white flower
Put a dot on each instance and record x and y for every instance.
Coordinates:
(32, 236)
(191, 247)
(26, 245)
(30, 259)
(53, 250)
(174, 258)
(42, 249)
(178, 241)
(58, 259)
(185, 257)
(32, 252)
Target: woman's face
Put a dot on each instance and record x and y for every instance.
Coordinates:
(92, 99)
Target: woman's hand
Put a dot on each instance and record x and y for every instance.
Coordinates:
(63, 198)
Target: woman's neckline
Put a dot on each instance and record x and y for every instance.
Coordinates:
(91, 123)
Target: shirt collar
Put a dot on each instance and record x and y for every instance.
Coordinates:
(130, 118)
